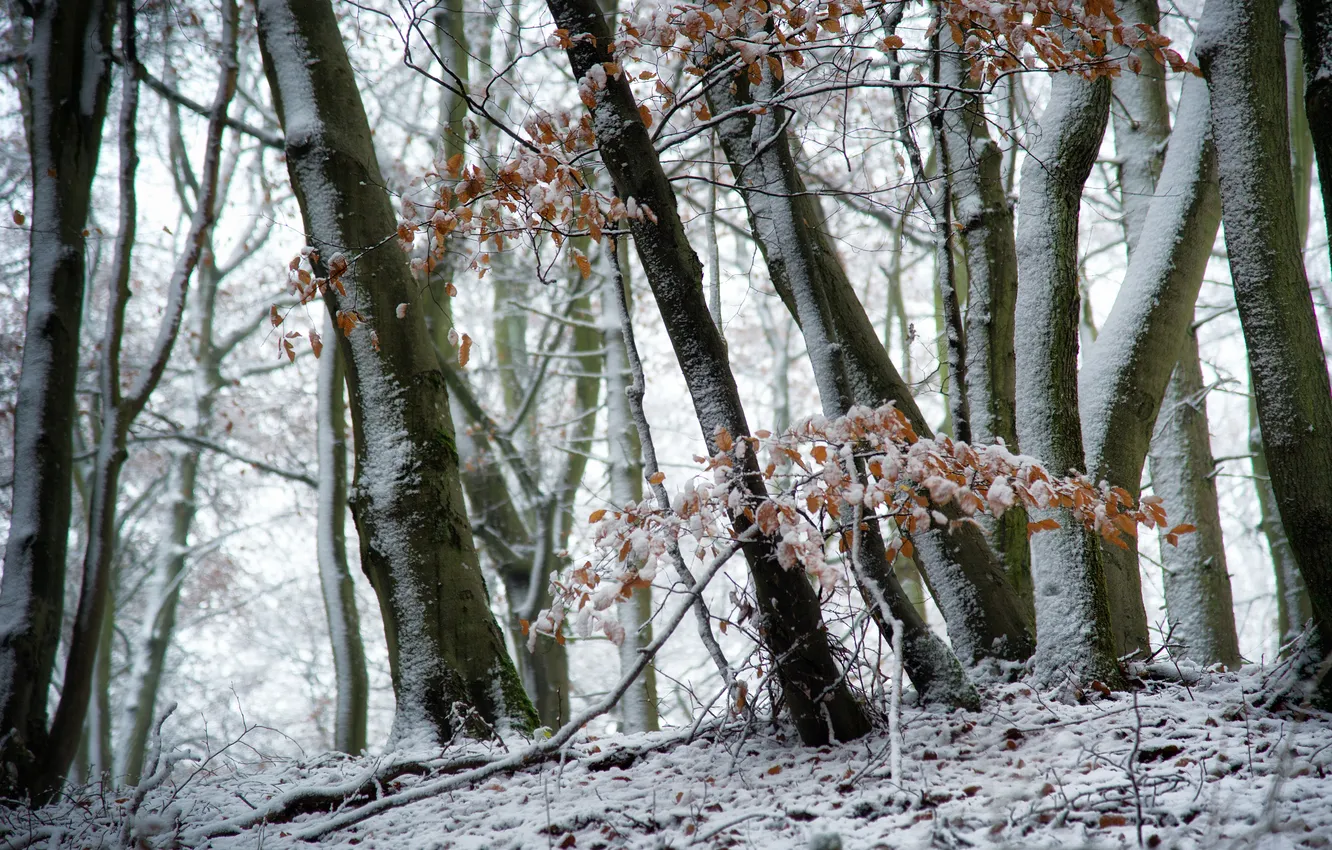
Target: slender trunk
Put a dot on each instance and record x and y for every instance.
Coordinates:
(100, 758)
(335, 581)
(1198, 600)
(821, 704)
(1140, 115)
(1315, 19)
(1073, 625)
(416, 544)
(759, 151)
(1276, 310)
(1293, 607)
(638, 706)
(1125, 373)
(68, 75)
(985, 224)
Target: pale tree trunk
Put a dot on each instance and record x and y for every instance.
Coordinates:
(335, 580)
(68, 75)
(1199, 604)
(1125, 373)
(821, 704)
(759, 151)
(1073, 627)
(1140, 115)
(1289, 372)
(638, 706)
(119, 410)
(1315, 20)
(445, 647)
(985, 225)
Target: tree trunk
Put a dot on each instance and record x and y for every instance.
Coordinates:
(821, 704)
(1140, 115)
(1198, 600)
(759, 151)
(335, 581)
(416, 545)
(1290, 378)
(1315, 19)
(985, 224)
(1073, 629)
(68, 80)
(1125, 373)
(1293, 608)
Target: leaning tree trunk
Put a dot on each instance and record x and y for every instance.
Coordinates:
(1289, 372)
(638, 706)
(1073, 627)
(1199, 604)
(335, 581)
(68, 80)
(416, 545)
(1127, 368)
(985, 224)
(1140, 115)
(1315, 19)
(821, 705)
(759, 151)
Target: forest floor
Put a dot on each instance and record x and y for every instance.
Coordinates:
(1170, 765)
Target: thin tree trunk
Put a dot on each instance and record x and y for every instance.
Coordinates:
(985, 224)
(1073, 627)
(1125, 373)
(1199, 604)
(1293, 607)
(416, 544)
(759, 151)
(1140, 115)
(68, 75)
(335, 581)
(1315, 19)
(821, 705)
(638, 706)
(1276, 309)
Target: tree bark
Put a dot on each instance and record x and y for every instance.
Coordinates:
(416, 545)
(68, 75)
(335, 581)
(1140, 115)
(1073, 628)
(821, 704)
(1199, 604)
(1239, 52)
(985, 224)
(1126, 370)
(1315, 19)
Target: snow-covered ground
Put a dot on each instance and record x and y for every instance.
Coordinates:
(1174, 766)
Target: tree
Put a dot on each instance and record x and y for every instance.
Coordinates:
(416, 544)
(68, 79)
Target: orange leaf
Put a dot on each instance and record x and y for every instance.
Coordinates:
(273, 315)
(1043, 525)
(646, 115)
(892, 42)
(464, 351)
(584, 265)
(597, 515)
(724, 440)
(1184, 528)
(19, 218)
(820, 453)
(908, 550)
(657, 477)
(316, 344)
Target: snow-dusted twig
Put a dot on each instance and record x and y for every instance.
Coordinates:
(157, 770)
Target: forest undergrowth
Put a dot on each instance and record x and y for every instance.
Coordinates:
(1190, 757)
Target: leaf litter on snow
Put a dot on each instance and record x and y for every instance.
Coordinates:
(1172, 765)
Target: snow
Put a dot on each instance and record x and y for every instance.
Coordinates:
(1191, 763)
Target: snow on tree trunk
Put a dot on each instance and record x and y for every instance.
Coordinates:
(759, 151)
(1199, 604)
(1315, 19)
(1289, 372)
(1072, 610)
(445, 647)
(638, 706)
(1293, 607)
(1140, 115)
(986, 227)
(1127, 368)
(68, 77)
(335, 581)
(821, 704)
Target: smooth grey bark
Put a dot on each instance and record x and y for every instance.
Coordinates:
(778, 207)
(985, 225)
(1289, 372)
(416, 544)
(1315, 20)
(638, 706)
(335, 581)
(1127, 368)
(1073, 627)
(1140, 115)
(68, 77)
(1199, 603)
(1294, 609)
(821, 705)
